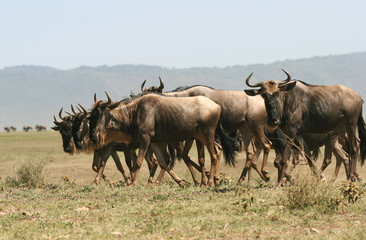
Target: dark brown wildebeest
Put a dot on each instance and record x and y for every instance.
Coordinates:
(297, 107)
(239, 112)
(40, 128)
(154, 120)
(80, 135)
(65, 128)
(7, 129)
(153, 88)
(27, 128)
(12, 128)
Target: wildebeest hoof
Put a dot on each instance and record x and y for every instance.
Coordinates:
(182, 183)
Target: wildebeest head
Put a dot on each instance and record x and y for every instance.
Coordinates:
(95, 117)
(65, 127)
(270, 90)
(153, 88)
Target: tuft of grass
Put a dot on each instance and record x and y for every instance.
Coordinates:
(30, 173)
(310, 193)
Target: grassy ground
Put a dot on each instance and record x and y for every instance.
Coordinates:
(74, 208)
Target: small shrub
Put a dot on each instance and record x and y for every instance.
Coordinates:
(30, 173)
(307, 192)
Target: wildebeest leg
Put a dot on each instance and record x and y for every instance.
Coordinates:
(295, 162)
(163, 157)
(201, 161)
(341, 156)
(119, 166)
(315, 170)
(214, 167)
(281, 163)
(104, 155)
(130, 156)
(96, 163)
(331, 145)
(152, 164)
(250, 153)
(266, 145)
(144, 144)
(184, 150)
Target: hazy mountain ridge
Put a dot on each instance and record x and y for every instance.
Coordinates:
(33, 94)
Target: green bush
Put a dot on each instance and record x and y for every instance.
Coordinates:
(306, 192)
(30, 173)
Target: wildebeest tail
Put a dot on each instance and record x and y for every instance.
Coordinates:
(227, 144)
(362, 136)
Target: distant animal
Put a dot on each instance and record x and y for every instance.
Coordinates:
(27, 128)
(40, 128)
(7, 129)
(12, 128)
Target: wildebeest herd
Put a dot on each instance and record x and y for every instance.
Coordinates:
(26, 128)
(290, 116)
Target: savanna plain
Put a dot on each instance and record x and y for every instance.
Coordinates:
(47, 194)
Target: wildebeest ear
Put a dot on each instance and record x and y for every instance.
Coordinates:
(56, 128)
(288, 86)
(251, 92)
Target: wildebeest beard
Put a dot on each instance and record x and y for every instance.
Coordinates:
(93, 120)
(272, 108)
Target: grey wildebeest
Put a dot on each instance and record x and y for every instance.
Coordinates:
(239, 112)
(155, 120)
(297, 107)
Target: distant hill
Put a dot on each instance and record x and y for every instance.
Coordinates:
(33, 94)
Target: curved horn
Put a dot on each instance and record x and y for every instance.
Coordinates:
(69, 113)
(109, 98)
(55, 121)
(85, 111)
(252, 85)
(60, 114)
(72, 109)
(79, 109)
(95, 98)
(288, 76)
(142, 87)
(161, 84)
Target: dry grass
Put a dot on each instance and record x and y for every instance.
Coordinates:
(68, 206)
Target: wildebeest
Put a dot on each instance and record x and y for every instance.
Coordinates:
(239, 112)
(153, 88)
(7, 129)
(65, 128)
(27, 128)
(40, 128)
(154, 120)
(80, 135)
(12, 128)
(297, 107)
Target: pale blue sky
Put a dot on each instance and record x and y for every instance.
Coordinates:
(67, 34)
